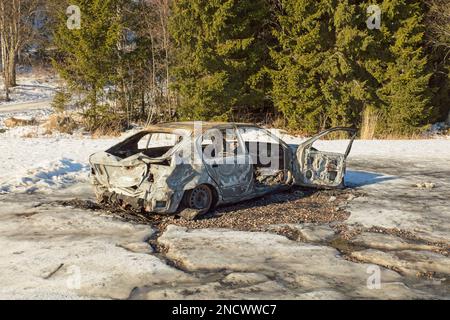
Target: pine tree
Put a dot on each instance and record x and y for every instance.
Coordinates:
(117, 61)
(221, 52)
(406, 89)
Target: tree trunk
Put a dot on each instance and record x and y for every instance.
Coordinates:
(12, 76)
(163, 14)
(9, 61)
(10, 69)
(10, 37)
(5, 67)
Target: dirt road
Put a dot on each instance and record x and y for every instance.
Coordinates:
(41, 104)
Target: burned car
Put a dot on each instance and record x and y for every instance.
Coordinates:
(196, 166)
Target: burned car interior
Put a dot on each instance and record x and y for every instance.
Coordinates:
(259, 149)
(264, 149)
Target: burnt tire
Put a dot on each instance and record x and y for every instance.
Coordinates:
(200, 199)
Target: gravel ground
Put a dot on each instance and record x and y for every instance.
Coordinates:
(292, 206)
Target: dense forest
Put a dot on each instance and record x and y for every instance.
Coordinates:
(305, 65)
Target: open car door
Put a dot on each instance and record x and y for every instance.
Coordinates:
(315, 168)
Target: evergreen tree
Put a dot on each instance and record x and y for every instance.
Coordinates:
(319, 81)
(87, 57)
(109, 60)
(317, 62)
(221, 50)
(406, 89)
(438, 39)
(330, 68)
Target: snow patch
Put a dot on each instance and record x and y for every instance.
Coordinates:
(53, 175)
(439, 130)
(46, 164)
(30, 89)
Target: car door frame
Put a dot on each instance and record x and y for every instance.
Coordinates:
(230, 192)
(304, 178)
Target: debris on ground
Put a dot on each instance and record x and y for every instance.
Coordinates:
(426, 185)
(289, 207)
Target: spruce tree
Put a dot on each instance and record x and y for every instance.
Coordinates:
(87, 57)
(221, 51)
(318, 81)
(405, 91)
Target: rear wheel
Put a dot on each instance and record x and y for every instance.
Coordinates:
(200, 199)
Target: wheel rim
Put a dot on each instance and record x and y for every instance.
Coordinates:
(200, 198)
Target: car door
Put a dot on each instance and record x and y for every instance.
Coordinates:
(227, 162)
(315, 168)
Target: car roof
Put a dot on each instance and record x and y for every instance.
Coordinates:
(191, 126)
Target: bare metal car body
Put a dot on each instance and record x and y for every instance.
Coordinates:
(158, 178)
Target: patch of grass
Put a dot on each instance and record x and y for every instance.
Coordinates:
(61, 123)
(14, 122)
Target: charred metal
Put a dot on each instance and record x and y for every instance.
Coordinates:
(196, 166)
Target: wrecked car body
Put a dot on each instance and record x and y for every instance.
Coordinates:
(199, 165)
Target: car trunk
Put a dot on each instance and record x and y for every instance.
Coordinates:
(112, 171)
(126, 166)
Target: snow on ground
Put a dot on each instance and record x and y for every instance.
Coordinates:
(34, 131)
(39, 115)
(28, 165)
(73, 254)
(394, 149)
(31, 89)
(404, 149)
(31, 160)
(408, 194)
(38, 259)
